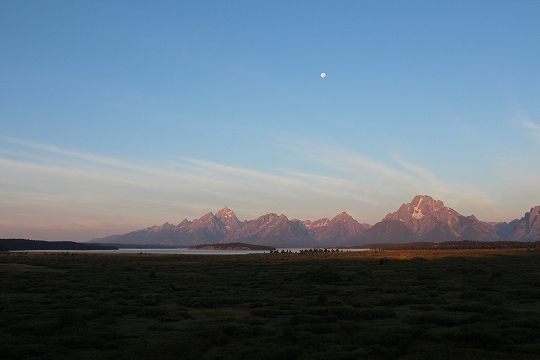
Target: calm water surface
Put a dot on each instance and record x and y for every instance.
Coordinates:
(177, 251)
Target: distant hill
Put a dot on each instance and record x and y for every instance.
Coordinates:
(26, 244)
(424, 219)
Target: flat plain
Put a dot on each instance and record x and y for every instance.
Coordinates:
(407, 304)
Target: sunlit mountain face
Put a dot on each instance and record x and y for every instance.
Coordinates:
(423, 219)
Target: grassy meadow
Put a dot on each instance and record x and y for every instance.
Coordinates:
(426, 304)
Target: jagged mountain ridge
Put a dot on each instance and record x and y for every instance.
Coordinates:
(342, 228)
(423, 219)
(270, 229)
(224, 226)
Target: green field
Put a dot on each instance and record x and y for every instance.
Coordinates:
(466, 304)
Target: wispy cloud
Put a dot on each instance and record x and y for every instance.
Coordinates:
(393, 181)
(69, 187)
(424, 174)
(47, 187)
(397, 177)
(534, 129)
(346, 161)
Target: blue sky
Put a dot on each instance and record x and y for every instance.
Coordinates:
(119, 115)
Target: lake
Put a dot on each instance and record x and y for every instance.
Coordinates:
(180, 251)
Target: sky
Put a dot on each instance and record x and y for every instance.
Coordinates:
(118, 115)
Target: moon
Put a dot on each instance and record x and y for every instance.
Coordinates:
(323, 74)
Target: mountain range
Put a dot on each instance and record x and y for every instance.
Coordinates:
(423, 219)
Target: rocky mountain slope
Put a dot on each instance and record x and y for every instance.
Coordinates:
(525, 229)
(423, 219)
(270, 229)
(426, 219)
(342, 228)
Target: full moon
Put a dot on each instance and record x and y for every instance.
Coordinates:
(323, 75)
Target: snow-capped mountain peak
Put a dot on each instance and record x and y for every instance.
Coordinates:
(228, 218)
(430, 220)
